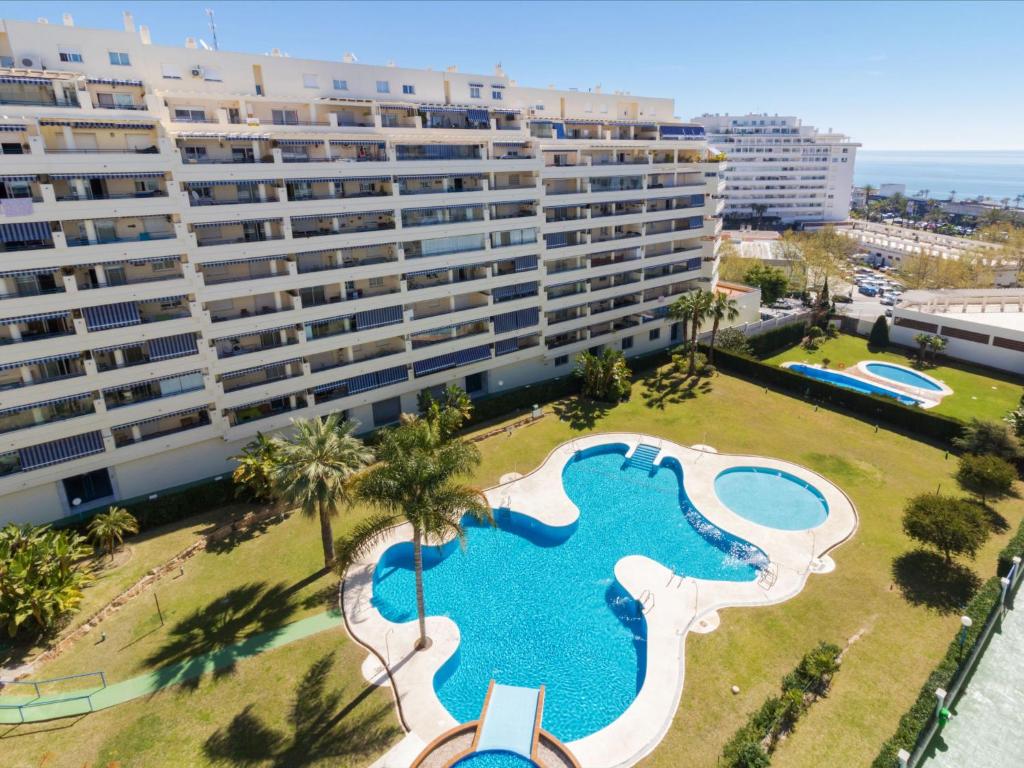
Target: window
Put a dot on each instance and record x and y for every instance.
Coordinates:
(627, 343)
(211, 75)
(409, 89)
(562, 360)
(376, 282)
(383, 86)
(309, 81)
(119, 58)
(88, 487)
(170, 72)
(341, 85)
(604, 109)
(654, 335)
(189, 115)
(539, 106)
(69, 54)
(284, 116)
(474, 91)
(496, 95)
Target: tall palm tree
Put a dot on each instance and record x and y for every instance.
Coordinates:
(700, 309)
(314, 468)
(449, 412)
(935, 345)
(255, 463)
(722, 308)
(923, 341)
(416, 481)
(109, 528)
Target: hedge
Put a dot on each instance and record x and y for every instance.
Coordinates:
(875, 407)
(768, 343)
(1014, 548)
(916, 719)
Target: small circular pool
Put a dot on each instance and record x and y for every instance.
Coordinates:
(495, 759)
(771, 498)
(905, 376)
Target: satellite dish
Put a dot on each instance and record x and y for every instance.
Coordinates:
(75, 502)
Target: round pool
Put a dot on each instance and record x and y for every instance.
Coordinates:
(771, 498)
(902, 375)
(495, 759)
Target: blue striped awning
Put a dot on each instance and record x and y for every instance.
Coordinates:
(106, 125)
(447, 108)
(276, 328)
(526, 263)
(167, 347)
(246, 260)
(113, 81)
(374, 318)
(44, 403)
(30, 230)
(208, 224)
(162, 416)
(434, 271)
(398, 107)
(129, 260)
(12, 127)
(336, 179)
(28, 272)
(512, 291)
(31, 318)
(451, 360)
(510, 143)
(512, 321)
(326, 320)
(445, 207)
(363, 142)
(257, 368)
(111, 316)
(37, 360)
(100, 175)
(175, 375)
(228, 182)
(300, 142)
(224, 136)
(506, 347)
(505, 110)
(58, 451)
(8, 178)
(25, 80)
(340, 214)
(377, 379)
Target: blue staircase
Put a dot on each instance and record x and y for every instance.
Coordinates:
(643, 457)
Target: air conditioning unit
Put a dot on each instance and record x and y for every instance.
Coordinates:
(197, 71)
(30, 61)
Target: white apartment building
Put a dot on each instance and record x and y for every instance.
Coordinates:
(199, 245)
(799, 174)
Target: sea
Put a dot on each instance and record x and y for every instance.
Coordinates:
(992, 175)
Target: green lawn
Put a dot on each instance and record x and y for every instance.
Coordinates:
(977, 392)
(247, 715)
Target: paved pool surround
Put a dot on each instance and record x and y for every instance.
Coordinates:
(933, 396)
(679, 607)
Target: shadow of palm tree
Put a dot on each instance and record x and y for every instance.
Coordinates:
(668, 386)
(581, 412)
(323, 725)
(925, 578)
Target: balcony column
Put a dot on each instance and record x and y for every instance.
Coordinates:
(278, 304)
(69, 137)
(136, 433)
(26, 371)
(15, 332)
(90, 231)
(283, 334)
(37, 416)
(256, 150)
(268, 231)
(327, 149)
(79, 186)
(261, 190)
(336, 225)
(119, 358)
(101, 275)
(293, 402)
(332, 188)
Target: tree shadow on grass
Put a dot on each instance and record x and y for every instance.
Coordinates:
(581, 412)
(668, 386)
(925, 578)
(323, 724)
(996, 522)
(239, 535)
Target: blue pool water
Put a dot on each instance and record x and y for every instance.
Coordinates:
(771, 498)
(850, 382)
(903, 376)
(495, 759)
(540, 606)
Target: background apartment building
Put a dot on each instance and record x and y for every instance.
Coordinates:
(797, 173)
(199, 245)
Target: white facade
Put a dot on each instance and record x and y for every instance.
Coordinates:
(200, 245)
(797, 172)
(980, 326)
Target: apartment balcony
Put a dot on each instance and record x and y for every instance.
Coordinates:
(252, 343)
(145, 391)
(438, 152)
(40, 282)
(562, 316)
(115, 274)
(128, 229)
(249, 306)
(27, 91)
(37, 327)
(429, 185)
(422, 217)
(29, 236)
(240, 271)
(559, 340)
(513, 210)
(131, 355)
(156, 428)
(434, 336)
(229, 151)
(321, 225)
(340, 189)
(347, 258)
(266, 374)
(45, 370)
(49, 412)
(242, 192)
(265, 409)
(360, 353)
(234, 232)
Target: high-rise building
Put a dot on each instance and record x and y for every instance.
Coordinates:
(779, 169)
(196, 246)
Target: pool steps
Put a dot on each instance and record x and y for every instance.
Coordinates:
(643, 457)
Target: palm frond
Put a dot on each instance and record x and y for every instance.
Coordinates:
(366, 535)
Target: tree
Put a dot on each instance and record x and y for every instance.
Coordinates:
(770, 280)
(986, 476)
(868, 192)
(693, 308)
(759, 210)
(935, 345)
(994, 437)
(879, 338)
(1015, 419)
(952, 526)
(922, 340)
(721, 308)
(41, 576)
(108, 528)
(314, 469)
(450, 412)
(826, 253)
(735, 341)
(252, 475)
(416, 481)
(605, 376)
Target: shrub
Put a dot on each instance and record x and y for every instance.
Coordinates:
(109, 528)
(986, 476)
(1014, 548)
(733, 340)
(879, 337)
(831, 331)
(744, 750)
(604, 377)
(811, 344)
(993, 437)
(770, 342)
(814, 332)
(952, 526)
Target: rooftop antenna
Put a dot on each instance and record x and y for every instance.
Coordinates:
(213, 28)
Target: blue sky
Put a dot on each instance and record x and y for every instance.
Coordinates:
(892, 75)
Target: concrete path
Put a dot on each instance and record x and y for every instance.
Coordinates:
(987, 727)
(78, 702)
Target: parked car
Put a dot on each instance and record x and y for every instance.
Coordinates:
(887, 301)
(841, 298)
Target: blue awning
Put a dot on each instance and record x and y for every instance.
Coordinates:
(28, 272)
(447, 108)
(368, 381)
(435, 271)
(7, 178)
(478, 115)
(300, 142)
(513, 291)
(162, 416)
(101, 175)
(113, 81)
(506, 346)
(58, 451)
(526, 263)
(31, 230)
(511, 321)
(681, 131)
(374, 318)
(245, 260)
(505, 110)
(31, 318)
(44, 403)
(451, 360)
(340, 215)
(398, 107)
(257, 368)
(111, 316)
(206, 224)
(336, 179)
(363, 142)
(224, 136)
(98, 125)
(511, 143)
(25, 80)
(172, 346)
(436, 177)
(38, 360)
(228, 182)
(289, 326)
(12, 127)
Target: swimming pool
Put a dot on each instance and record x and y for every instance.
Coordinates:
(772, 498)
(845, 381)
(902, 375)
(540, 605)
(495, 759)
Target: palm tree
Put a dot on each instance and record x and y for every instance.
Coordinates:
(759, 210)
(108, 529)
(935, 345)
(314, 469)
(450, 412)
(722, 308)
(868, 192)
(255, 463)
(605, 376)
(415, 482)
(700, 310)
(922, 340)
